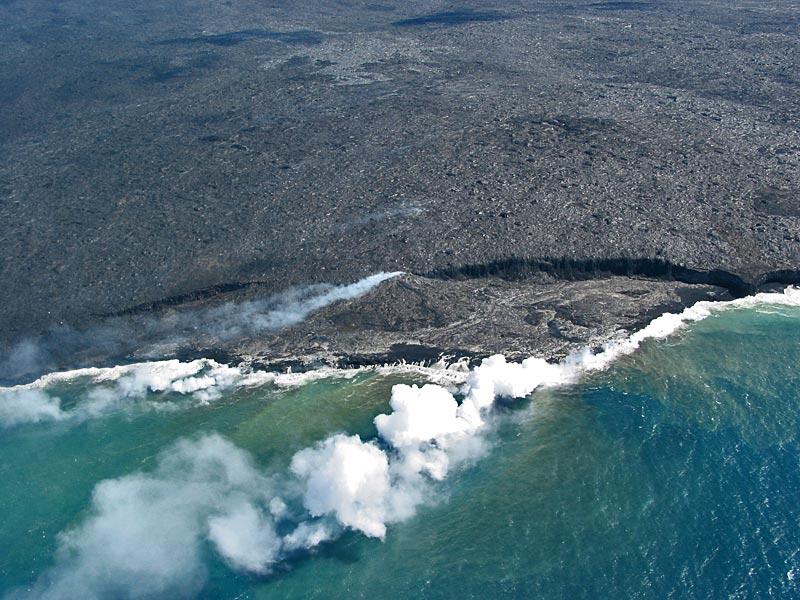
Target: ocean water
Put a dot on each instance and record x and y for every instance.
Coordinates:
(673, 471)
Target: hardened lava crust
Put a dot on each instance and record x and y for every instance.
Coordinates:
(151, 151)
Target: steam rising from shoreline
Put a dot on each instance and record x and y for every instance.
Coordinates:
(170, 385)
(168, 331)
(208, 491)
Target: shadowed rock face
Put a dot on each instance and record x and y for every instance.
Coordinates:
(233, 38)
(151, 150)
(456, 17)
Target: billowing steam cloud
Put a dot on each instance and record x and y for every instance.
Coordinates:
(124, 388)
(349, 480)
(144, 535)
(168, 385)
(19, 406)
(146, 531)
(159, 335)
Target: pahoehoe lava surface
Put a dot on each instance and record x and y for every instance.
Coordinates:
(151, 151)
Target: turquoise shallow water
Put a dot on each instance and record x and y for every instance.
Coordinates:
(675, 473)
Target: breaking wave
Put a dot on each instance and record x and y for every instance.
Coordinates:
(170, 385)
(208, 491)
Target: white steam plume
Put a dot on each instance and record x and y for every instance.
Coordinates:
(28, 406)
(162, 333)
(123, 388)
(286, 309)
(145, 530)
(156, 385)
(347, 479)
(144, 534)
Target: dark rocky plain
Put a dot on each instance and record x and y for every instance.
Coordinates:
(545, 173)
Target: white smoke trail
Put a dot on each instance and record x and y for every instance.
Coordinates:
(158, 334)
(145, 531)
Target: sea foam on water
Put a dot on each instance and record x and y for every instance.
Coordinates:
(209, 489)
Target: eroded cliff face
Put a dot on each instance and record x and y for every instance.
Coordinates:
(160, 154)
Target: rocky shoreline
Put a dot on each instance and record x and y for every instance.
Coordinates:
(514, 310)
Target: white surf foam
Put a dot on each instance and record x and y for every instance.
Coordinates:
(120, 387)
(205, 379)
(208, 489)
(669, 323)
(200, 381)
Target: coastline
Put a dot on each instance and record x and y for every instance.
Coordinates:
(429, 434)
(201, 381)
(407, 318)
(197, 370)
(399, 300)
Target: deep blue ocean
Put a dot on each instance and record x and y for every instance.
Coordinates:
(674, 473)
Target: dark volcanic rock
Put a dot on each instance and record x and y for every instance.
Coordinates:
(407, 318)
(474, 318)
(149, 150)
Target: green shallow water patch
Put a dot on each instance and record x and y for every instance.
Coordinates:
(676, 473)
